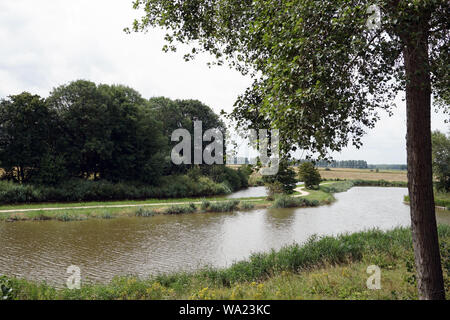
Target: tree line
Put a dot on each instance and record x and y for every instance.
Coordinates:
(93, 132)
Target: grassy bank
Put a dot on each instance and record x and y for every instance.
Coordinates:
(325, 268)
(441, 199)
(188, 207)
(73, 211)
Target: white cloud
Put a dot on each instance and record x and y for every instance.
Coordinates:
(49, 42)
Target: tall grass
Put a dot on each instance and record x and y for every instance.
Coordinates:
(180, 209)
(440, 202)
(145, 213)
(220, 206)
(382, 248)
(285, 201)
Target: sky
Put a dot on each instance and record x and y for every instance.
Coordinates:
(48, 43)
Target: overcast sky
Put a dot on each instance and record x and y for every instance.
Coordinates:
(47, 43)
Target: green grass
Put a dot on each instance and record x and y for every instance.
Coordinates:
(67, 213)
(323, 268)
(285, 201)
(440, 200)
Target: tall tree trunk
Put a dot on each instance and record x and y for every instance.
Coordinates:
(420, 176)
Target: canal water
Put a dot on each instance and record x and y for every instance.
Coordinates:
(161, 244)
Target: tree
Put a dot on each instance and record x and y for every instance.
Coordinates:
(108, 132)
(82, 113)
(182, 114)
(285, 178)
(308, 173)
(441, 160)
(25, 135)
(322, 70)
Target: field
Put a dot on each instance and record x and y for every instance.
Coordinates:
(363, 174)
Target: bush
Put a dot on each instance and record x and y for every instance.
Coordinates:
(285, 201)
(76, 190)
(273, 189)
(181, 209)
(309, 175)
(146, 213)
(205, 205)
(6, 291)
(247, 206)
(223, 206)
(235, 179)
(285, 177)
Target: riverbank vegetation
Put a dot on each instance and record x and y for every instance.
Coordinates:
(322, 268)
(322, 195)
(96, 142)
(441, 199)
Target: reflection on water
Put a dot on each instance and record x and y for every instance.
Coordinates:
(144, 246)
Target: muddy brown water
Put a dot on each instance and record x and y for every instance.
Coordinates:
(143, 246)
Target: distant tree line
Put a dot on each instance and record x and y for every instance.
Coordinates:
(355, 164)
(388, 166)
(90, 131)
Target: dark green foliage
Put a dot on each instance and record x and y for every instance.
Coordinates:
(285, 178)
(441, 160)
(27, 130)
(309, 175)
(194, 173)
(98, 142)
(107, 133)
(76, 190)
(235, 179)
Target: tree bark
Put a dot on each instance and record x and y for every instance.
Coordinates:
(420, 177)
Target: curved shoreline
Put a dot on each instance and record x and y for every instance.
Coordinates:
(77, 213)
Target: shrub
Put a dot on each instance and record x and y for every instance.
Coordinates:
(6, 290)
(309, 175)
(205, 205)
(223, 206)
(285, 177)
(180, 209)
(285, 201)
(145, 213)
(273, 189)
(247, 205)
(76, 190)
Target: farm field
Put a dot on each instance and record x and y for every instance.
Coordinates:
(363, 174)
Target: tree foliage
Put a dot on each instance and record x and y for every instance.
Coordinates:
(321, 76)
(284, 179)
(98, 132)
(441, 159)
(308, 173)
(26, 134)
